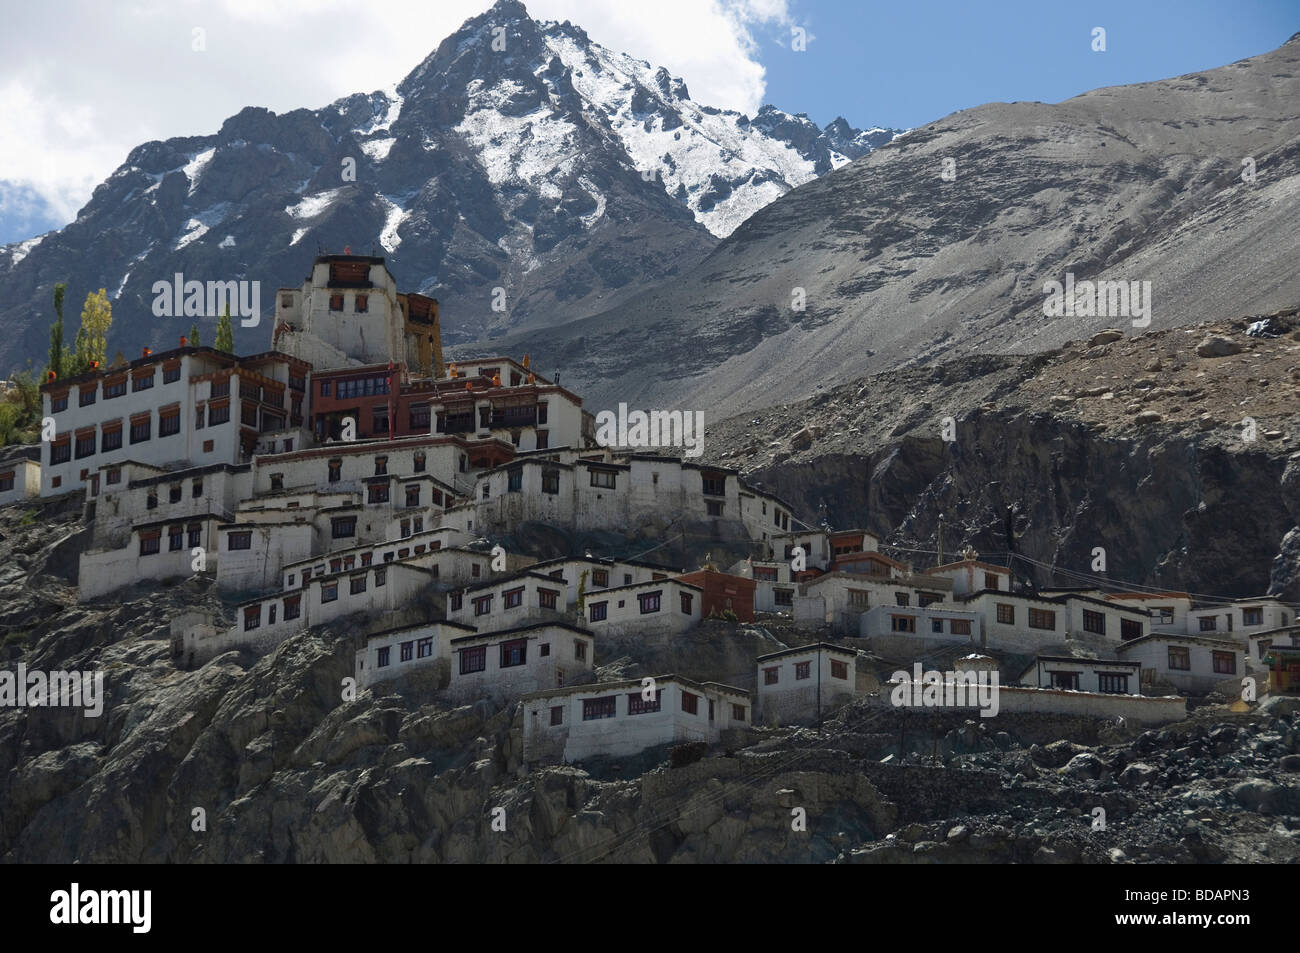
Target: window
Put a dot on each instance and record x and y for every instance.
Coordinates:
(1130, 629)
(329, 591)
(115, 388)
(580, 650)
(546, 598)
(1164, 614)
(381, 466)
(514, 653)
(218, 414)
(960, 626)
(839, 669)
(85, 445)
(381, 577)
(325, 388)
(602, 478)
(473, 660)
(771, 675)
(1252, 616)
(737, 712)
(593, 708)
(240, 540)
(143, 382)
(936, 625)
(150, 542)
(1208, 623)
(171, 374)
(6, 481)
(991, 580)
(252, 617)
(455, 601)
(902, 623)
(690, 703)
(424, 647)
(487, 491)
(380, 420)
(715, 485)
(600, 577)
(513, 598)
(1180, 658)
(141, 429)
(220, 387)
(413, 495)
(649, 601)
(783, 597)
(713, 507)
(270, 616)
(175, 538)
(1068, 681)
(407, 651)
(637, 705)
(357, 584)
(195, 533)
(1225, 663)
(598, 611)
(377, 493)
(858, 598)
(1112, 683)
(112, 438)
(483, 605)
(207, 446)
(802, 670)
(114, 475)
(336, 302)
(87, 393)
(383, 659)
(1006, 614)
(557, 715)
(551, 481)
(343, 526)
(367, 558)
(292, 607)
(687, 600)
(152, 501)
(58, 403)
(362, 303)
(1042, 619)
(174, 493)
(1094, 622)
(514, 480)
(903, 598)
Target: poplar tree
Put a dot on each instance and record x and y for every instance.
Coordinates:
(56, 331)
(225, 333)
(194, 335)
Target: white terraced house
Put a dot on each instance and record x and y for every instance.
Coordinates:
(395, 653)
(615, 719)
(618, 492)
(180, 408)
(1106, 676)
(663, 607)
(798, 684)
(1191, 663)
(20, 473)
(840, 599)
(507, 663)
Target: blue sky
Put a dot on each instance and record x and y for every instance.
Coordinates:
(69, 113)
(903, 64)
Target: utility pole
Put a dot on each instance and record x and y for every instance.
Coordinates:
(940, 539)
(819, 686)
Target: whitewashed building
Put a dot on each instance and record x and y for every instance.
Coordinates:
(1239, 618)
(1190, 663)
(527, 658)
(20, 473)
(396, 652)
(802, 683)
(616, 719)
(176, 409)
(934, 621)
(657, 607)
(840, 599)
(1106, 676)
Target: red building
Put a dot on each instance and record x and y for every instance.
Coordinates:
(723, 591)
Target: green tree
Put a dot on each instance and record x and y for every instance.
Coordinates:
(56, 331)
(225, 333)
(92, 337)
(194, 335)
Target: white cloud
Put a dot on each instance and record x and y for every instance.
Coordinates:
(103, 78)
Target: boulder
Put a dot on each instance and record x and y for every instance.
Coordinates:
(1105, 337)
(1217, 345)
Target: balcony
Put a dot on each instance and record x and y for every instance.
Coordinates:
(456, 423)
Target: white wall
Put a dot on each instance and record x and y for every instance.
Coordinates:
(792, 699)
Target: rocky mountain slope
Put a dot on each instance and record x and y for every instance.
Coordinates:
(897, 265)
(262, 760)
(1177, 451)
(568, 174)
